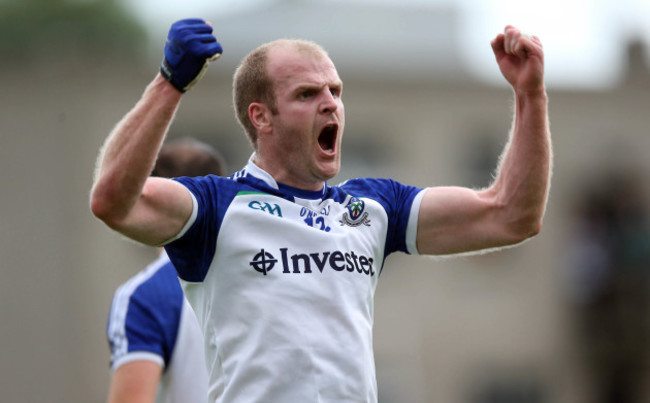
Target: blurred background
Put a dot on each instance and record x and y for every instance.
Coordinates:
(562, 318)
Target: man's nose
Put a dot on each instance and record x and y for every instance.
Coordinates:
(329, 103)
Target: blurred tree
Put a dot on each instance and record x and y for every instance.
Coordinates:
(63, 29)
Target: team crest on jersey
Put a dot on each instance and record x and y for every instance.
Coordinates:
(355, 214)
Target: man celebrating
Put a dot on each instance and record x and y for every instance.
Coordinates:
(280, 267)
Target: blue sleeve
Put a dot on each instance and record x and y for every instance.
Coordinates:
(396, 199)
(145, 317)
(194, 251)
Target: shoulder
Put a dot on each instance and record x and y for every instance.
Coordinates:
(154, 289)
(216, 191)
(157, 279)
(207, 183)
(367, 185)
(384, 190)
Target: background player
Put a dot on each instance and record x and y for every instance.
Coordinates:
(156, 343)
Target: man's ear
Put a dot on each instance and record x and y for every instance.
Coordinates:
(260, 116)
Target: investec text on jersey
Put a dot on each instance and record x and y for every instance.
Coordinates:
(264, 262)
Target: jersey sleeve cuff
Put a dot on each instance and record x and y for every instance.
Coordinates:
(138, 356)
(188, 224)
(412, 226)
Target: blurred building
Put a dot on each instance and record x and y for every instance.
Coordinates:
(492, 328)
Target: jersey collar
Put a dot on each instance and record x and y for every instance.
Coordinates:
(258, 173)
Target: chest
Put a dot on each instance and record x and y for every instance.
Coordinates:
(270, 237)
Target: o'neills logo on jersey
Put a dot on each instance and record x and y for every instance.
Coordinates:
(355, 215)
(263, 262)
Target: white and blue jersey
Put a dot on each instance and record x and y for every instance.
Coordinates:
(282, 281)
(151, 320)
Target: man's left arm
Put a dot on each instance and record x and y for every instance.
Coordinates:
(458, 220)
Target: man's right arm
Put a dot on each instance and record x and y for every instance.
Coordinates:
(148, 210)
(152, 210)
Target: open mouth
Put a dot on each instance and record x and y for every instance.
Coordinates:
(327, 137)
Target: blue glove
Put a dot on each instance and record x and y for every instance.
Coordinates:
(190, 47)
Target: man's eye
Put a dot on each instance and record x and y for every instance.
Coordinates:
(306, 94)
(336, 91)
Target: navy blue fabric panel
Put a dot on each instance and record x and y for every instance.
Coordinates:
(193, 253)
(154, 313)
(396, 199)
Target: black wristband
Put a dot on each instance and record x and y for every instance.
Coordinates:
(168, 75)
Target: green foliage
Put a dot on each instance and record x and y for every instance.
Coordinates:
(36, 29)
